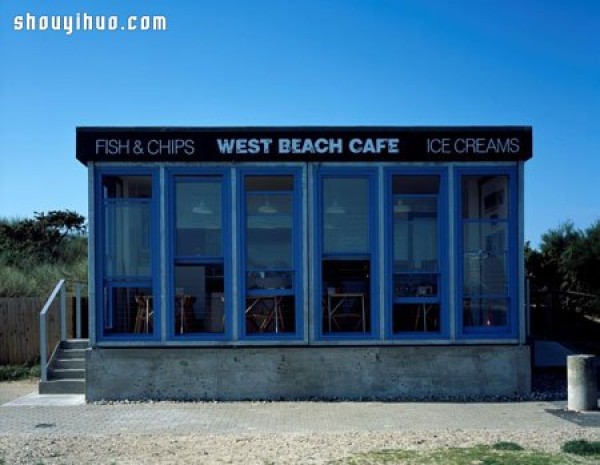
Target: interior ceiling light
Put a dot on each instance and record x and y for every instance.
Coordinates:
(267, 208)
(202, 209)
(335, 208)
(401, 207)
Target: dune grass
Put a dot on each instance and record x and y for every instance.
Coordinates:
(38, 279)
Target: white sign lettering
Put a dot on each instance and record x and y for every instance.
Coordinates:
(320, 145)
(374, 145)
(153, 147)
(473, 146)
(244, 146)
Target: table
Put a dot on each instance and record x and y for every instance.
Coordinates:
(334, 307)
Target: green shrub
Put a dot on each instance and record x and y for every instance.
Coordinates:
(17, 372)
(504, 445)
(582, 447)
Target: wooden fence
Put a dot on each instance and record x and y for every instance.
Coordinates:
(20, 328)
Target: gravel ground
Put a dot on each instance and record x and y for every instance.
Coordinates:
(55, 446)
(13, 389)
(259, 448)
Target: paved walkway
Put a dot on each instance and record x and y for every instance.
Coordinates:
(34, 414)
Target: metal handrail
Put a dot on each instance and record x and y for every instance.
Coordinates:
(61, 287)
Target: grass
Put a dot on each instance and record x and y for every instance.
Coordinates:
(34, 271)
(501, 453)
(18, 372)
(39, 279)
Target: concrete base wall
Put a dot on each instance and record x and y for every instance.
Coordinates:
(307, 372)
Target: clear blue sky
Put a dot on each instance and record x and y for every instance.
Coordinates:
(403, 62)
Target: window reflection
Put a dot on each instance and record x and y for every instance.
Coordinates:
(416, 268)
(269, 231)
(345, 215)
(199, 218)
(138, 187)
(485, 250)
(127, 239)
(485, 312)
(415, 233)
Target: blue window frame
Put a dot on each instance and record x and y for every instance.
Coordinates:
(199, 270)
(126, 244)
(345, 251)
(271, 244)
(487, 262)
(417, 255)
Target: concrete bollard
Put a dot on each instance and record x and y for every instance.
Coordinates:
(582, 389)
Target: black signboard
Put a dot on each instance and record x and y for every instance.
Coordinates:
(284, 144)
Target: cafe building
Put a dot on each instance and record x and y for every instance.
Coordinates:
(306, 262)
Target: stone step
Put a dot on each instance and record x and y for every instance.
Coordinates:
(69, 363)
(61, 373)
(70, 353)
(75, 344)
(62, 386)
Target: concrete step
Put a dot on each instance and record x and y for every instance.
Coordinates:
(66, 375)
(69, 363)
(70, 353)
(75, 344)
(61, 373)
(62, 386)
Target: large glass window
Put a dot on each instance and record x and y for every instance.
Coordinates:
(416, 262)
(270, 268)
(346, 262)
(199, 280)
(485, 252)
(127, 250)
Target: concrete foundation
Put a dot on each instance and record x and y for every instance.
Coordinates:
(279, 373)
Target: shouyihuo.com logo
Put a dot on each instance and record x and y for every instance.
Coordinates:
(78, 22)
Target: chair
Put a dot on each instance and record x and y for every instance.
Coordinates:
(184, 305)
(145, 314)
(265, 313)
(346, 309)
(423, 310)
(468, 319)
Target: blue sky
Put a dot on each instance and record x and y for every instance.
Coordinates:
(414, 62)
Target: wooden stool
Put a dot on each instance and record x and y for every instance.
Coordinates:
(143, 319)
